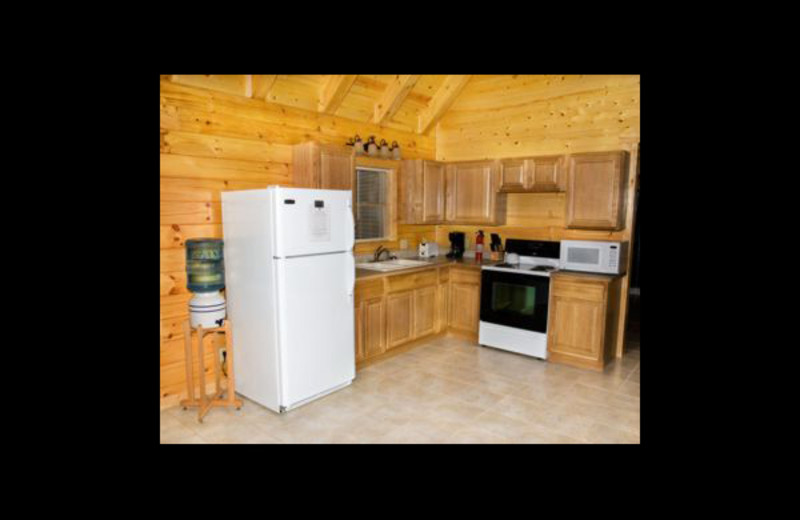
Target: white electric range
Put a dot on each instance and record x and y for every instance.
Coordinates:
(515, 298)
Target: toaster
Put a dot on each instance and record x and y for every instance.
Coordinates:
(428, 249)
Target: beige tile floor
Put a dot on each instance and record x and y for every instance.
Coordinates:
(446, 391)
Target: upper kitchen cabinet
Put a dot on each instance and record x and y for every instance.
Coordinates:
(422, 192)
(471, 193)
(548, 173)
(538, 174)
(596, 190)
(513, 175)
(324, 166)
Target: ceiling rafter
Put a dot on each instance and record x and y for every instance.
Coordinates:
(334, 91)
(441, 101)
(396, 91)
(262, 84)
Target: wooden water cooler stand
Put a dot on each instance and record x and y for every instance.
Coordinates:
(206, 402)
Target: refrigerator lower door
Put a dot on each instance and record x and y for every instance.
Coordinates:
(315, 325)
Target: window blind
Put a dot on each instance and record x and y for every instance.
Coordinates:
(371, 208)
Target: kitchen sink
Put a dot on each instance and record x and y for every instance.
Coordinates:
(392, 265)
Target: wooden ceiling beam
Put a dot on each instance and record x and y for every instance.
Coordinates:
(229, 83)
(333, 92)
(441, 101)
(262, 84)
(396, 92)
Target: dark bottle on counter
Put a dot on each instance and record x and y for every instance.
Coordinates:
(479, 246)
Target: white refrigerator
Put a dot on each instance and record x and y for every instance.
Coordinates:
(289, 282)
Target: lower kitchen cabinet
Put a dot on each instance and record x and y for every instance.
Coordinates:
(370, 317)
(464, 304)
(359, 332)
(373, 330)
(399, 309)
(583, 323)
(393, 310)
(425, 311)
(443, 301)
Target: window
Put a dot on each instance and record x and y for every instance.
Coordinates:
(372, 207)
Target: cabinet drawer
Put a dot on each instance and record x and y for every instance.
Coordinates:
(468, 276)
(411, 281)
(591, 291)
(367, 289)
(444, 274)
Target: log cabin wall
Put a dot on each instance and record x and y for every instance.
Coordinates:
(216, 139)
(497, 117)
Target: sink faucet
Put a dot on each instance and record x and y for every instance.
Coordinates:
(380, 251)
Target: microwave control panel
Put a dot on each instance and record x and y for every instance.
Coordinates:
(613, 257)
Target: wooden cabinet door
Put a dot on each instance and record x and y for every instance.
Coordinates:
(409, 184)
(444, 299)
(399, 318)
(373, 330)
(359, 314)
(577, 328)
(513, 175)
(596, 187)
(471, 193)
(425, 311)
(464, 307)
(546, 174)
(337, 168)
(432, 192)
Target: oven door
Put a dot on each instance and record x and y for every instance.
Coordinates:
(515, 300)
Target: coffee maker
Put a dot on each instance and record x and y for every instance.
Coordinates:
(456, 245)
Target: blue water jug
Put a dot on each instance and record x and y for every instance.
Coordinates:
(205, 266)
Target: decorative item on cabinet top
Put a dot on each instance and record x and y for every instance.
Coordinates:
(358, 145)
(371, 148)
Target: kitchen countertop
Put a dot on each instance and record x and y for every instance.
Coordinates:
(437, 261)
(588, 276)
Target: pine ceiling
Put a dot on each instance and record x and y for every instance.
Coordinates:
(417, 103)
(411, 103)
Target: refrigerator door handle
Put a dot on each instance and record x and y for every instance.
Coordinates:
(351, 273)
(351, 227)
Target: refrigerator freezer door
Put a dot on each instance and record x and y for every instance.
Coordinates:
(317, 329)
(310, 222)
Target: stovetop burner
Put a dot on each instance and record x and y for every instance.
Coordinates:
(543, 268)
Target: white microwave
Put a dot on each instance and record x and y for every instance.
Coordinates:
(593, 256)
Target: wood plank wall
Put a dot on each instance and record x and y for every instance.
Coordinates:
(515, 116)
(520, 116)
(213, 142)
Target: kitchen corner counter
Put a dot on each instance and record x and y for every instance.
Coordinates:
(598, 277)
(439, 261)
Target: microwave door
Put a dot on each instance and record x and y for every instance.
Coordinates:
(583, 258)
